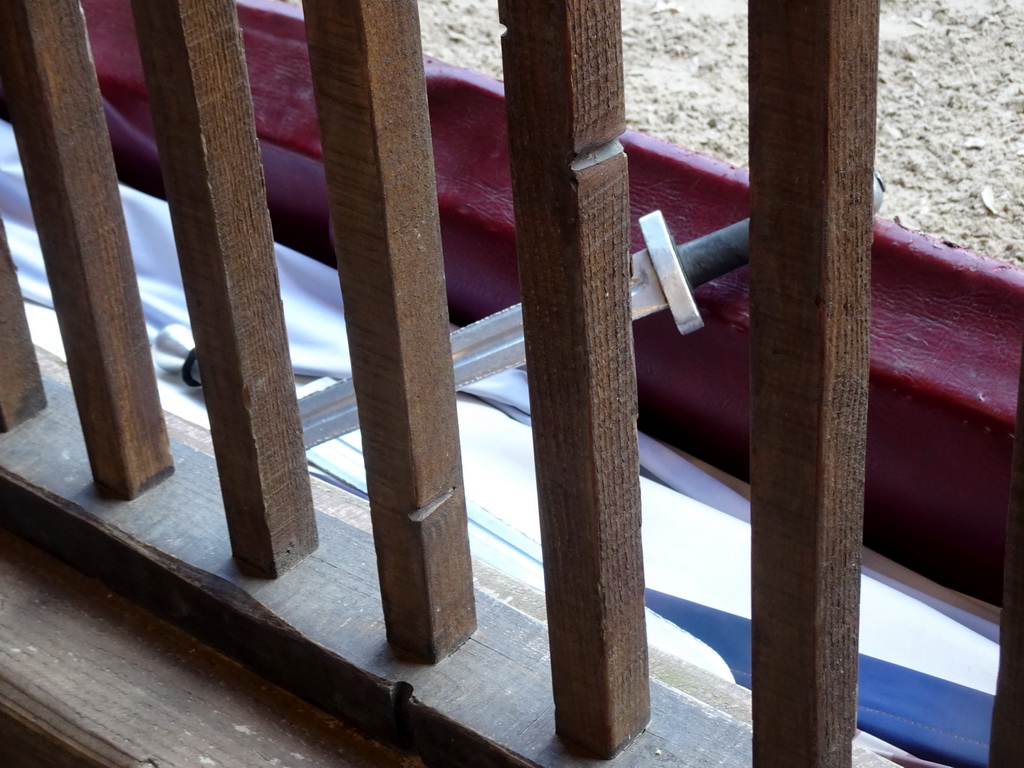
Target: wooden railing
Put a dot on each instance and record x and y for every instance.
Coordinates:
(813, 69)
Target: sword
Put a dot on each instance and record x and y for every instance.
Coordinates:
(664, 275)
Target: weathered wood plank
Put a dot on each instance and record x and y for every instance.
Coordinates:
(320, 632)
(812, 119)
(27, 744)
(79, 672)
(21, 385)
(202, 111)
(564, 89)
(55, 108)
(1007, 742)
(371, 99)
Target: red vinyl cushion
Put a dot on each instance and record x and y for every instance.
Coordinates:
(946, 323)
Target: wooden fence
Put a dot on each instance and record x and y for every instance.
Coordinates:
(812, 85)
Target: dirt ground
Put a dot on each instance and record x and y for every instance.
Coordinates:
(950, 100)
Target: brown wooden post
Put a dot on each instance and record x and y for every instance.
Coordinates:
(21, 386)
(564, 86)
(371, 98)
(812, 120)
(57, 115)
(202, 111)
(1006, 748)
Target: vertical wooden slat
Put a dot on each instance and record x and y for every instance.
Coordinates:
(371, 99)
(55, 107)
(21, 386)
(1006, 749)
(812, 119)
(564, 86)
(202, 111)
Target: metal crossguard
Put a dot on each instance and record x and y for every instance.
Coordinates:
(664, 276)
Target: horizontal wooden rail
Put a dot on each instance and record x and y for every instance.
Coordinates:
(489, 704)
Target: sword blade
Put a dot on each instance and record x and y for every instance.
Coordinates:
(484, 348)
(664, 276)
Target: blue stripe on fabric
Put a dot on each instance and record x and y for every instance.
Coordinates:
(931, 718)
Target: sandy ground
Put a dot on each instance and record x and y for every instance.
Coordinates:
(950, 100)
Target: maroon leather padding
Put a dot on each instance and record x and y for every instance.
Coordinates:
(946, 323)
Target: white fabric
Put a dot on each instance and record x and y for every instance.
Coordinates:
(695, 531)
(312, 300)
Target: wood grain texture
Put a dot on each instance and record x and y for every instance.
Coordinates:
(21, 385)
(1006, 745)
(89, 679)
(57, 115)
(564, 87)
(319, 633)
(202, 112)
(27, 743)
(812, 119)
(371, 100)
